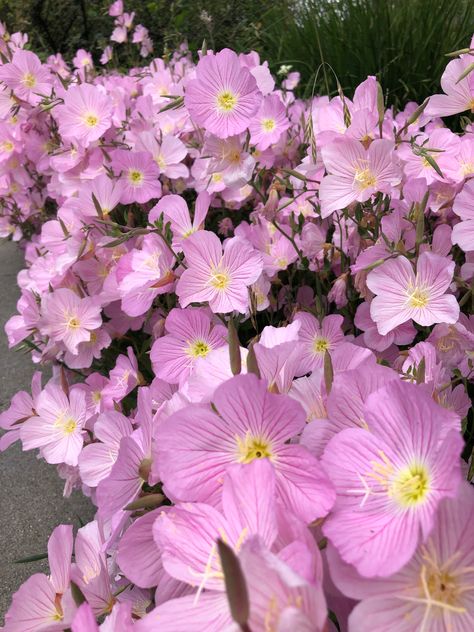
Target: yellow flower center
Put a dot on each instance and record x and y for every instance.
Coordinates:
(226, 101)
(251, 447)
(7, 146)
(216, 177)
(411, 485)
(268, 125)
(364, 178)
(321, 345)
(135, 177)
(467, 168)
(418, 298)
(29, 80)
(198, 349)
(90, 119)
(73, 323)
(67, 424)
(188, 233)
(160, 161)
(220, 279)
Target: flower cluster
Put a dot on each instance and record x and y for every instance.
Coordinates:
(257, 310)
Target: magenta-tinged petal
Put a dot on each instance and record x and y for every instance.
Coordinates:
(138, 555)
(34, 608)
(187, 614)
(124, 481)
(248, 499)
(187, 536)
(59, 557)
(302, 484)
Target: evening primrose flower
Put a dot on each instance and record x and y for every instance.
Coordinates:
(402, 295)
(57, 426)
(356, 173)
(224, 96)
(189, 335)
(26, 76)
(85, 115)
(390, 479)
(219, 278)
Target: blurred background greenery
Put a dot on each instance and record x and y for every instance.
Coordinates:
(402, 42)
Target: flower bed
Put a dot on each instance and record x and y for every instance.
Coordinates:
(258, 313)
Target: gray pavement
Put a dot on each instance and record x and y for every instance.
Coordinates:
(31, 500)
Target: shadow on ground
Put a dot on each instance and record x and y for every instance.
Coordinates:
(31, 500)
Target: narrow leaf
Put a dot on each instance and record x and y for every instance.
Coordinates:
(77, 594)
(466, 72)
(31, 558)
(420, 372)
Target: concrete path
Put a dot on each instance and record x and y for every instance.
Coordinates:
(31, 500)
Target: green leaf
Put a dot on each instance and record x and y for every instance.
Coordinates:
(431, 161)
(420, 371)
(466, 72)
(98, 207)
(77, 594)
(31, 558)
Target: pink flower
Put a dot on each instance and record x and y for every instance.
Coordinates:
(45, 604)
(96, 459)
(317, 338)
(138, 174)
(57, 426)
(356, 173)
(82, 60)
(85, 115)
(220, 279)
(144, 274)
(187, 533)
(70, 319)
(434, 591)
(176, 211)
(195, 446)
(459, 95)
(190, 335)
(390, 480)
(26, 76)
(106, 191)
(168, 155)
(280, 599)
(224, 96)
(269, 123)
(127, 475)
(123, 377)
(463, 232)
(401, 295)
(401, 335)
(89, 571)
(116, 8)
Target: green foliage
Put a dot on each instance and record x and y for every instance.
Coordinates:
(67, 25)
(402, 42)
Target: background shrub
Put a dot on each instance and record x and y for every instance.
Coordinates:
(402, 42)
